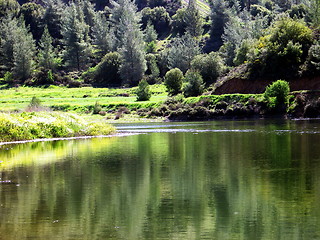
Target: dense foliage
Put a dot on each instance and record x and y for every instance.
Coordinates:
(277, 93)
(120, 42)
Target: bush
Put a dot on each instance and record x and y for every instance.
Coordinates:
(277, 93)
(143, 92)
(173, 81)
(106, 72)
(194, 84)
(97, 108)
(8, 77)
(312, 64)
(281, 53)
(209, 65)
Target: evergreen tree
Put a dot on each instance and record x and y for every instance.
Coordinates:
(152, 67)
(220, 14)
(53, 17)
(102, 37)
(173, 81)
(23, 52)
(193, 20)
(17, 47)
(124, 15)
(194, 84)
(46, 52)
(89, 12)
(75, 38)
(150, 34)
(314, 10)
(129, 41)
(150, 37)
(183, 50)
(143, 92)
(8, 28)
(132, 52)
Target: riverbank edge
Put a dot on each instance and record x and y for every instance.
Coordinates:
(67, 138)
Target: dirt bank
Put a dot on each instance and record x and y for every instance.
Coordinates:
(237, 85)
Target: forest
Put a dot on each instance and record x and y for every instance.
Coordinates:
(186, 45)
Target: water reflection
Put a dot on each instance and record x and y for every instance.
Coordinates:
(195, 184)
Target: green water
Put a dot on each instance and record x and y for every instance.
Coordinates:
(209, 180)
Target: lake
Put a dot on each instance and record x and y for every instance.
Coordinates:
(256, 179)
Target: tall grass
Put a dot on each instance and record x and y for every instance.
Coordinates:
(35, 125)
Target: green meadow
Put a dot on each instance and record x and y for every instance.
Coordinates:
(77, 99)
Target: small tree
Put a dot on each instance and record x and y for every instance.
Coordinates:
(152, 67)
(194, 84)
(143, 92)
(277, 93)
(210, 66)
(97, 108)
(35, 102)
(173, 81)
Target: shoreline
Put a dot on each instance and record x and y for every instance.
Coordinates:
(66, 138)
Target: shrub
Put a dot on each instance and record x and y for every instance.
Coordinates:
(8, 77)
(143, 91)
(280, 53)
(210, 66)
(277, 93)
(173, 81)
(36, 106)
(194, 84)
(106, 72)
(97, 108)
(312, 64)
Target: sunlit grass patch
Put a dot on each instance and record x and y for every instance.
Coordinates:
(27, 126)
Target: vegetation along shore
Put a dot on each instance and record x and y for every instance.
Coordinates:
(155, 60)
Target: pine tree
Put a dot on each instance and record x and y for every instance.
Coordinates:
(124, 14)
(129, 41)
(220, 14)
(23, 52)
(183, 50)
(17, 47)
(150, 34)
(132, 53)
(8, 27)
(75, 38)
(46, 52)
(102, 37)
(143, 91)
(53, 17)
(193, 20)
(150, 37)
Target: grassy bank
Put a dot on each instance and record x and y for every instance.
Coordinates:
(120, 105)
(35, 125)
(77, 99)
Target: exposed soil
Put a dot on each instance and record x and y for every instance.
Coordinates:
(237, 85)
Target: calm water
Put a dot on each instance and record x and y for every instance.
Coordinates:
(209, 180)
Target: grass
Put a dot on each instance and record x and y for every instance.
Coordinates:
(35, 125)
(76, 99)
(239, 98)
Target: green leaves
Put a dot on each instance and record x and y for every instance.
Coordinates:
(143, 92)
(276, 94)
